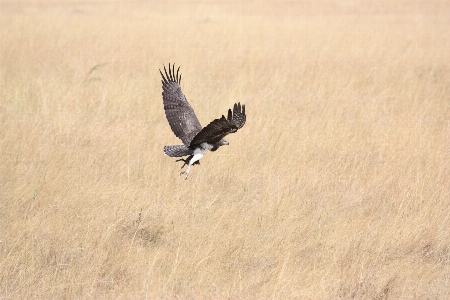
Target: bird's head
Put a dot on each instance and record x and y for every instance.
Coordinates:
(218, 144)
(222, 142)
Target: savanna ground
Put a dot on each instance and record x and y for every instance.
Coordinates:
(338, 186)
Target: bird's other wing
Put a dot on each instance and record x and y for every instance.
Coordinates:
(179, 112)
(238, 115)
(214, 132)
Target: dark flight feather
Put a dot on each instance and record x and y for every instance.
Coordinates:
(179, 113)
(219, 128)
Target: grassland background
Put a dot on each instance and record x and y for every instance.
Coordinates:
(338, 186)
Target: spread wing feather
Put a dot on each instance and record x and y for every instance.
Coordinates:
(214, 132)
(179, 112)
(219, 128)
(238, 116)
(177, 151)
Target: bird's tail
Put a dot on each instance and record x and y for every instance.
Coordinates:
(177, 151)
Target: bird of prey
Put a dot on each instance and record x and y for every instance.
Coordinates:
(185, 125)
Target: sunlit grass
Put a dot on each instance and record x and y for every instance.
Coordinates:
(337, 187)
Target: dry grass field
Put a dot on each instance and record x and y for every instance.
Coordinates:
(338, 186)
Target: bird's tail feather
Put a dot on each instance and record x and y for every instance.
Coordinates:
(177, 151)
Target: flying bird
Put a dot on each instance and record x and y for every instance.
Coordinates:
(185, 125)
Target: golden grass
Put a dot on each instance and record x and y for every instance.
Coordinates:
(338, 186)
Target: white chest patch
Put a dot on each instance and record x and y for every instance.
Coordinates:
(200, 151)
(206, 146)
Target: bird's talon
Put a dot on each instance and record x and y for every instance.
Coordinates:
(186, 161)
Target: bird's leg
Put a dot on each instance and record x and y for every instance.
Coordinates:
(191, 160)
(186, 161)
(186, 172)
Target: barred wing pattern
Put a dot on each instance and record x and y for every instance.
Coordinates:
(177, 151)
(179, 113)
(219, 128)
(238, 116)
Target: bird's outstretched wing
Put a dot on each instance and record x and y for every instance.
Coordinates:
(219, 128)
(238, 116)
(179, 112)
